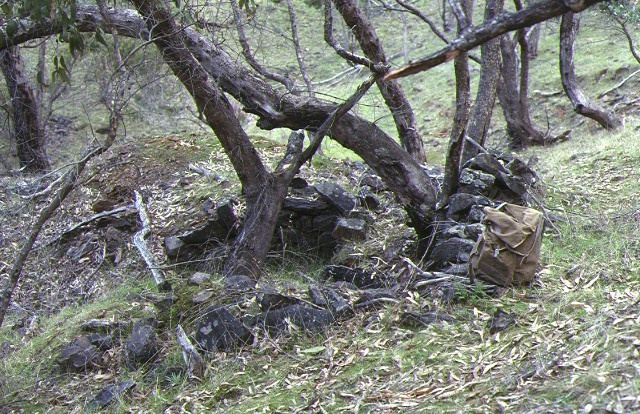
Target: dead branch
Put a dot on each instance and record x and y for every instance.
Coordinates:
(619, 85)
(193, 360)
(83, 223)
(140, 241)
(477, 35)
(248, 55)
(343, 53)
(69, 183)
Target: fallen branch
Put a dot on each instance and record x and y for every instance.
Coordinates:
(619, 85)
(85, 222)
(69, 182)
(191, 357)
(140, 241)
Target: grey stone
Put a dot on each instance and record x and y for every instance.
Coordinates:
(460, 203)
(374, 182)
(329, 298)
(219, 330)
(500, 321)
(359, 277)
(337, 196)
(198, 278)
(101, 341)
(317, 297)
(272, 300)
(453, 250)
(308, 319)
(473, 181)
(325, 222)
(176, 249)
(305, 206)
(473, 231)
(350, 229)
(141, 346)
(110, 393)
(238, 283)
(202, 296)
(421, 320)
(458, 269)
(368, 198)
(298, 183)
(213, 231)
(79, 355)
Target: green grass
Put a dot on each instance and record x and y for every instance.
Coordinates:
(575, 342)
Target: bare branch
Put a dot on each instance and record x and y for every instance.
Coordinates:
(296, 45)
(477, 35)
(140, 241)
(351, 57)
(413, 10)
(246, 51)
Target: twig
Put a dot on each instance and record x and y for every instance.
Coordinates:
(140, 241)
(191, 357)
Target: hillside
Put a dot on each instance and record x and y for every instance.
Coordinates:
(570, 341)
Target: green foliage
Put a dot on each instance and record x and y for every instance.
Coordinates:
(626, 10)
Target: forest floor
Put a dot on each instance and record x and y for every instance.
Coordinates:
(574, 346)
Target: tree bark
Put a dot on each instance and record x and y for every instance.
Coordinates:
(463, 105)
(482, 111)
(276, 109)
(581, 103)
(391, 91)
(27, 127)
(521, 131)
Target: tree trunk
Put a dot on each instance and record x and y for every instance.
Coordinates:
(264, 194)
(461, 117)
(533, 38)
(581, 103)
(521, 131)
(482, 111)
(391, 91)
(279, 109)
(27, 128)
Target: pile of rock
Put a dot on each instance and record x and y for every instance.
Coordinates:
(485, 181)
(314, 218)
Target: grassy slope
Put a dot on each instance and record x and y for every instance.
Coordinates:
(575, 344)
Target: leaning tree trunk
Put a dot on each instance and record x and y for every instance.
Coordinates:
(27, 128)
(581, 103)
(480, 118)
(264, 194)
(391, 90)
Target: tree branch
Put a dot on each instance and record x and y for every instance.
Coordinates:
(477, 35)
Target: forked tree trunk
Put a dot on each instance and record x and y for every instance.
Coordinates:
(480, 118)
(391, 90)
(581, 103)
(521, 131)
(27, 127)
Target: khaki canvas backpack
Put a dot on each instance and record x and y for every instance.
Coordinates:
(508, 250)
